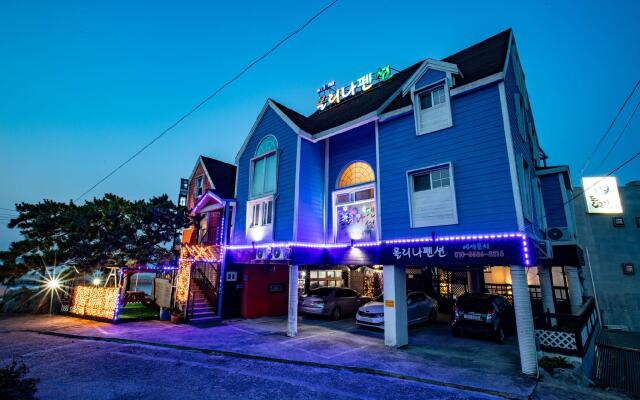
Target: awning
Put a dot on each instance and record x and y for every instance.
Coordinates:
(566, 254)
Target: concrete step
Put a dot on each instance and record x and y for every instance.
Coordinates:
(205, 314)
(205, 320)
(201, 309)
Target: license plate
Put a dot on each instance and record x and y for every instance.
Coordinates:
(472, 317)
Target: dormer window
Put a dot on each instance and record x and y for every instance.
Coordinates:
(432, 98)
(432, 109)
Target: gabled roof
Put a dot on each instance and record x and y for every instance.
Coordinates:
(222, 176)
(475, 62)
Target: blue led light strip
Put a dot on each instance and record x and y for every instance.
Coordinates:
(456, 238)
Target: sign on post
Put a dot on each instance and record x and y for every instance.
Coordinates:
(601, 194)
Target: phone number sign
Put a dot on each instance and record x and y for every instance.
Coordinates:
(503, 252)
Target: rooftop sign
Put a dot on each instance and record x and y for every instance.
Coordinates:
(602, 195)
(330, 96)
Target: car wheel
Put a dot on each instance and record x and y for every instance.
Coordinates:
(433, 315)
(336, 314)
(500, 335)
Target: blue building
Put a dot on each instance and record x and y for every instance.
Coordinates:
(434, 169)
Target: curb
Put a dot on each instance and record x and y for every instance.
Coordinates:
(226, 353)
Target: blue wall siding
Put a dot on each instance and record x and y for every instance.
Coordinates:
(271, 124)
(358, 144)
(311, 192)
(520, 146)
(476, 147)
(553, 202)
(429, 77)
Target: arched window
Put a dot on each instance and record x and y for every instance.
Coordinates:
(356, 173)
(355, 204)
(265, 167)
(268, 144)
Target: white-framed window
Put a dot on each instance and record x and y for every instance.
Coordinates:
(260, 219)
(354, 204)
(526, 195)
(261, 212)
(199, 186)
(432, 109)
(432, 200)
(264, 167)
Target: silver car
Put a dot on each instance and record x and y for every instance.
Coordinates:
(331, 302)
(420, 308)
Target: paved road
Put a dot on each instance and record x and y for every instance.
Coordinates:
(86, 369)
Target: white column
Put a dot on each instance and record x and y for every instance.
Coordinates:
(396, 329)
(546, 289)
(473, 281)
(292, 316)
(524, 321)
(575, 289)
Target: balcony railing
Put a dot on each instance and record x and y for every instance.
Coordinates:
(565, 333)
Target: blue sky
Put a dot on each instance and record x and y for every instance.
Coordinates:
(83, 85)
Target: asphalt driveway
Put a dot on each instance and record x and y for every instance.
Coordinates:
(432, 355)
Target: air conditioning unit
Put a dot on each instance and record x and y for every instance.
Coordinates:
(280, 253)
(559, 234)
(263, 253)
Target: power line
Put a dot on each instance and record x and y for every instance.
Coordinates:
(9, 209)
(211, 96)
(616, 169)
(615, 143)
(604, 136)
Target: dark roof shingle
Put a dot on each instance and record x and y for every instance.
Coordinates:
(223, 175)
(476, 62)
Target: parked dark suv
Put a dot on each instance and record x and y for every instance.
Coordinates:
(484, 313)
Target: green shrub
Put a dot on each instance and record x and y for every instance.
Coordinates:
(13, 383)
(551, 363)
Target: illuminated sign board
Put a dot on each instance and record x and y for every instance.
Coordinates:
(602, 195)
(330, 96)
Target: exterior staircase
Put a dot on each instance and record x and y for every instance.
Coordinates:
(203, 312)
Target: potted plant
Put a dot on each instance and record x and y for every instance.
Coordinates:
(177, 317)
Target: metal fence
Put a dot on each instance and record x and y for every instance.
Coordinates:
(618, 361)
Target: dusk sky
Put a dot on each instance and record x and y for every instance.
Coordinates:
(84, 85)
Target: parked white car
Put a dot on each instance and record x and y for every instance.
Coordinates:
(420, 308)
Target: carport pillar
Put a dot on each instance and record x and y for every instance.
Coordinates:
(575, 289)
(396, 329)
(546, 289)
(292, 315)
(524, 320)
(474, 281)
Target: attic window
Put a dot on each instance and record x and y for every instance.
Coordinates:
(199, 186)
(432, 99)
(432, 110)
(264, 167)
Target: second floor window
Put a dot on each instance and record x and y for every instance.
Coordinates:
(261, 213)
(199, 186)
(264, 167)
(354, 204)
(431, 196)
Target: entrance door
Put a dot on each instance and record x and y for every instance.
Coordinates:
(233, 286)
